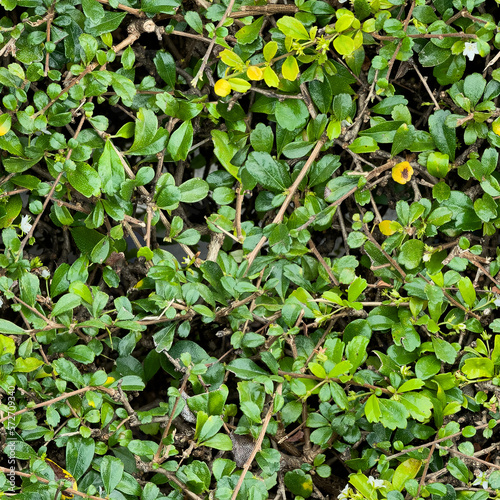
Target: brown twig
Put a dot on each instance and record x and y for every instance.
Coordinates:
(386, 255)
(257, 446)
(204, 62)
(7, 471)
(62, 397)
(135, 12)
(266, 10)
(425, 84)
(351, 382)
(279, 217)
(405, 27)
(158, 459)
(51, 192)
(322, 261)
(50, 18)
(426, 445)
(237, 219)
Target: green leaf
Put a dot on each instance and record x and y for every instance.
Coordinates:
(458, 469)
(356, 351)
(404, 137)
(17, 165)
(143, 448)
(225, 150)
(474, 86)
(411, 254)
(290, 68)
(219, 442)
(279, 239)
(146, 127)
(438, 164)
(364, 145)
(339, 187)
(195, 22)
(262, 138)
(478, 368)
(123, 86)
(188, 237)
(467, 291)
(393, 414)
(444, 350)
(66, 303)
(79, 455)
(68, 371)
(11, 210)
(11, 143)
(344, 45)
(268, 172)
(165, 66)
(432, 55)
(181, 141)
(356, 288)
(111, 469)
(93, 10)
(248, 34)
(196, 475)
(321, 94)
(23, 451)
(291, 113)
(245, 369)
(85, 180)
(372, 409)
(27, 365)
(486, 208)
(101, 251)
(104, 23)
(444, 137)
(193, 190)
(299, 483)
(293, 28)
(160, 6)
(418, 405)
(89, 45)
(404, 471)
(132, 383)
(427, 366)
(110, 169)
(342, 106)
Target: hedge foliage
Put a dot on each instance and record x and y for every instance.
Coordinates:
(250, 249)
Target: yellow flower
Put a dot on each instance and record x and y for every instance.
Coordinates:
(495, 126)
(402, 172)
(109, 381)
(60, 473)
(222, 88)
(255, 73)
(385, 227)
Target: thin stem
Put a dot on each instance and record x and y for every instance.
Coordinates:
(257, 446)
(279, 217)
(195, 80)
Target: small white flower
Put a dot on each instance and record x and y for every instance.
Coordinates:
(1, 302)
(376, 483)
(25, 224)
(470, 50)
(481, 480)
(45, 273)
(344, 494)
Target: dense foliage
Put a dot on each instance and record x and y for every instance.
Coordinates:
(249, 249)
